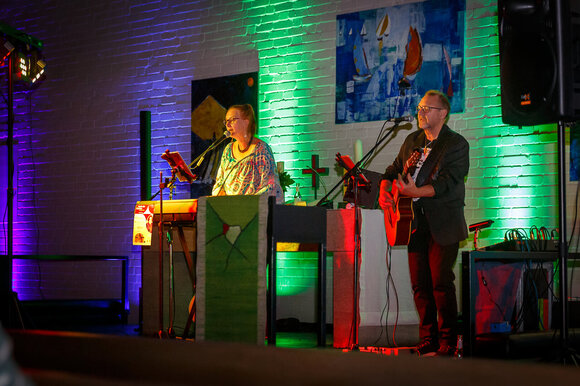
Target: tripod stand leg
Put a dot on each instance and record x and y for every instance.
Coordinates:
(563, 247)
(170, 331)
(191, 265)
(190, 318)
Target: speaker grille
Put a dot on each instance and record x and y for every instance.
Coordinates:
(539, 72)
(528, 78)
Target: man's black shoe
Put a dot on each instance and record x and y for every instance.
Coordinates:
(426, 348)
(446, 351)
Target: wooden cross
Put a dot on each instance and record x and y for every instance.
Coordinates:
(316, 173)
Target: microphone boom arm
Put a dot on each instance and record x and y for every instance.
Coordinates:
(360, 162)
(196, 161)
(201, 157)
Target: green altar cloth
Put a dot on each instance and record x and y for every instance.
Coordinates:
(231, 269)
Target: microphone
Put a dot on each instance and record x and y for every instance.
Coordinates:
(226, 135)
(200, 158)
(408, 118)
(216, 143)
(480, 225)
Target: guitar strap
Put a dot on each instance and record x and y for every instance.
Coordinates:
(431, 165)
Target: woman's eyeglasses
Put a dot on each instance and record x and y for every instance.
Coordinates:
(229, 121)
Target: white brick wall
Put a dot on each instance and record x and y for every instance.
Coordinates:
(78, 151)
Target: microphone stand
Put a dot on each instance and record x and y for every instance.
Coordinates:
(357, 259)
(566, 351)
(201, 157)
(356, 173)
(170, 183)
(355, 169)
(179, 170)
(161, 332)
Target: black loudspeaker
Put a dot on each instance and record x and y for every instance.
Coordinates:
(539, 61)
(145, 152)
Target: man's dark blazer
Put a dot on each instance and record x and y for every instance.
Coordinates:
(445, 169)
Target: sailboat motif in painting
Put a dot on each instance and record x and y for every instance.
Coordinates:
(383, 30)
(360, 58)
(413, 60)
(447, 75)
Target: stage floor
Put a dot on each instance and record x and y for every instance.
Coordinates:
(80, 358)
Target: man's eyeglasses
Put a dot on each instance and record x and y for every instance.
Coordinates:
(426, 109)
(230, 121)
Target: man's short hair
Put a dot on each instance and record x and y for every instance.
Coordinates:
(443, 100)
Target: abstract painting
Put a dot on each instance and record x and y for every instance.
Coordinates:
(387, 58)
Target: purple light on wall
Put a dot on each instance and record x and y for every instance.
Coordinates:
(147, 76)
(23, 232)
(21, 279)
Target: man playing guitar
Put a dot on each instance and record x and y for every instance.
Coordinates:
(435, 186)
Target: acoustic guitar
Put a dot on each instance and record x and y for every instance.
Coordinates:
(398, 218)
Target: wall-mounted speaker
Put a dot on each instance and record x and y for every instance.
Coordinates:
(539, 47)
(145, 153)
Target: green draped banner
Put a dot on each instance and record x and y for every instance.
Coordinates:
(231, 274)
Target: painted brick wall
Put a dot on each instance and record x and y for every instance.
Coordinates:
(78, 135)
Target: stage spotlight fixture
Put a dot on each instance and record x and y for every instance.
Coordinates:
(18, 38)
(5, 48)
(29, 68)
(37, 71)
(28, 63)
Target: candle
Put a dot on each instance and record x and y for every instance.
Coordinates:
(358, 150)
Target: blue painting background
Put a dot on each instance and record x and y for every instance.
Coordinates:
(373, 93)
(574, 152)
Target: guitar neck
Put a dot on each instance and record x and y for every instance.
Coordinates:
(412, 161)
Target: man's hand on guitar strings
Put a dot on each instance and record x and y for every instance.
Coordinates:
(407, 186)
(385, 197)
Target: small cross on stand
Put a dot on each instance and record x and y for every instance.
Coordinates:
(316, 173)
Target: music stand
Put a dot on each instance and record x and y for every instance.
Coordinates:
(351, 172)
(368, 188)
(178, 166)
(357, 181)
(179, 171)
